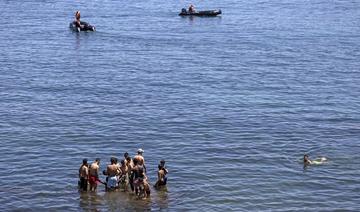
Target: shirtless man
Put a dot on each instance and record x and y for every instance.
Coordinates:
(84, 175)
(112, 171)
(140, 180)
(123, 179)
(140, 158)
(94, 174)
(130, 166)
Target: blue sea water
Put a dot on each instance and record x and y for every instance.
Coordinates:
(231, 103)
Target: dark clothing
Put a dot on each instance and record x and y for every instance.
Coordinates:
(83, 183)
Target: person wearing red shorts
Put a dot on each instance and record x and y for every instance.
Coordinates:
(94, 174)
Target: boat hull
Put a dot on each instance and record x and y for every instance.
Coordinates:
(204, 13)
(86, 27)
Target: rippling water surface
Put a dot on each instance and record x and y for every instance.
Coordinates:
(232, 103)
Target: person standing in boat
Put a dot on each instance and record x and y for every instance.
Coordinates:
(191, 9)
(84, 175)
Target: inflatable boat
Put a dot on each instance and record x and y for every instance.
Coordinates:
(86, 27)
(184, 12)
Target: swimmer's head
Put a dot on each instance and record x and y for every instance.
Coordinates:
(126, 154)
(122, 162)
(306, 158)
(97, 160)
(128, 158)
(140, 151)
(162, 162)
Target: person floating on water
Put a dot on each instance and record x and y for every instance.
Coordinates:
(162, 172)
(191, 9)
(317, 161)
(94, 174)
(84, 175)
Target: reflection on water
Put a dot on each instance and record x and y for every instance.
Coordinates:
(162, 197)
(123, 201)
(89, 201)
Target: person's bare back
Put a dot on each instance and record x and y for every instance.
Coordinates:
(94, 169)
(112, 170)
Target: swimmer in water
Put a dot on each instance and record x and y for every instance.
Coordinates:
(317, 161)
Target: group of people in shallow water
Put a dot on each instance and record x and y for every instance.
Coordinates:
(130, 172)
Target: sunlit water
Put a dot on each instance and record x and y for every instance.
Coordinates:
(231, 103)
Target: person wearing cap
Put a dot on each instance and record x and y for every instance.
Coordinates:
(140, 158)
(94, 174)
(84, 175)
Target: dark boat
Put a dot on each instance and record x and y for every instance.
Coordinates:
(86, 27)
(184, 12)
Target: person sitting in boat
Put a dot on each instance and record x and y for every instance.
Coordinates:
(77, 19)
(191, 9)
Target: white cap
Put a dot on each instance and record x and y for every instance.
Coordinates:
(140, 150)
